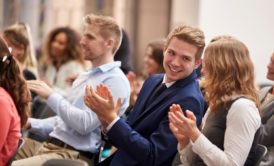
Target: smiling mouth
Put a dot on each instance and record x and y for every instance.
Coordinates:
(173, 69)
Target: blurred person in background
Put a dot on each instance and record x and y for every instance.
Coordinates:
(18, 38)
(154, 57)
(267, 107)
(61, 58)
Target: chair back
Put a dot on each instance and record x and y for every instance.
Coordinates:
(261, 151)
(65, 162)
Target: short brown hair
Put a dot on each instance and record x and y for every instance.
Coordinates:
(108, 28)
(190, 35)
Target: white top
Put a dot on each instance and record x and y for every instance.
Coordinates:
(242, 122)
(57, 78)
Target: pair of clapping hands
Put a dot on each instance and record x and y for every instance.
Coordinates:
(183, 125)
(99, 101)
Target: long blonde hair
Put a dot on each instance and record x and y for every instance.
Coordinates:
(18, 34)
(229, 72)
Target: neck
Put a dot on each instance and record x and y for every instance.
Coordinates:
(103, 60)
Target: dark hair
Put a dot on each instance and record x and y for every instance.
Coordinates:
(73, 49)
(11, 79)
(157, 46)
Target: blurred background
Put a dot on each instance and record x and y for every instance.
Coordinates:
(251, 21)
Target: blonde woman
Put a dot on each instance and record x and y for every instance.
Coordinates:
(233, 116)
(19, 40)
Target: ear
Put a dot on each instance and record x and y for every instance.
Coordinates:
(197, 63)
(110, 43)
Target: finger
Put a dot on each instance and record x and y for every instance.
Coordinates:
(87, 91)
(176, 118)
(118, 105)
(190, 115)
(173, 128)
(91, 90)
(179, 114)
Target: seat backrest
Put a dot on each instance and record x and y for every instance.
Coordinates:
(261, 151)
(65, 162)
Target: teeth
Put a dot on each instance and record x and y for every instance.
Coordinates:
(173, 69)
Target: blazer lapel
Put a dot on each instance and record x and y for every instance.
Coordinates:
(141, 103)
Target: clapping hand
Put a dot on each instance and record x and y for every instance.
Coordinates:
(183, 126)
(101, 102)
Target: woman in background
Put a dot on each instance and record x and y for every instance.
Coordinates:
(154, 57)
(61, 58)
(18, 38)
(232, 119)
(14, 104)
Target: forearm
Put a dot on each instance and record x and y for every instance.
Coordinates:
(42, 126)
(81, 120)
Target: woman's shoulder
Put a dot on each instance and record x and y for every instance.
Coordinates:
(244, 108)
(5, 98)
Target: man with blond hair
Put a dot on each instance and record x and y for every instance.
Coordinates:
(75, 131)
(145, 138)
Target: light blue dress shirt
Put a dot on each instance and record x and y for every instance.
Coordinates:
(75, 124)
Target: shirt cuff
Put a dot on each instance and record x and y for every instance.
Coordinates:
(112, 123)
(34, 123)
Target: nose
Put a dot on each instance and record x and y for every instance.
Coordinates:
(82, 42)
(175, 61)
(270, 66)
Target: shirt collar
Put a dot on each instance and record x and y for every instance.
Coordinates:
(105, 67)
(169, 84)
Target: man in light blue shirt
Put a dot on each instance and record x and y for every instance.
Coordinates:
(75, 131)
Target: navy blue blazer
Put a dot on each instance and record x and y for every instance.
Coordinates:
(145, 138)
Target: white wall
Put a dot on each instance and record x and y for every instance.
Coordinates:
(251, 21)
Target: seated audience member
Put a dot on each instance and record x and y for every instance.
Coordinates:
(145, 138)
(232, 118)
(14, 104)
(154, 57)
(18, 38)
(267, 107)
(75, 131)
(61, 58)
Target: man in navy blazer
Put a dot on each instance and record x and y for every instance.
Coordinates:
(145, 138)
